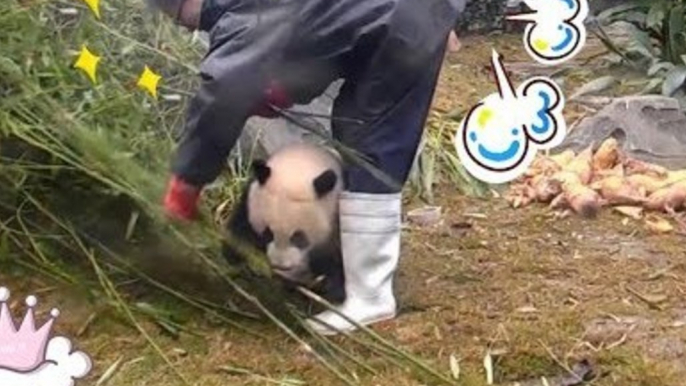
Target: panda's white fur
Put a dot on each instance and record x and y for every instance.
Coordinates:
(295, 190)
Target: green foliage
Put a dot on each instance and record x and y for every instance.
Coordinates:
(482, 16)
(658, 43)
(437, 162)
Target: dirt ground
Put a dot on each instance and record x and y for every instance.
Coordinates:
(543, 293)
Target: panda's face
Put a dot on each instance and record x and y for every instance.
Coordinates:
(288, 254)
(294, 213)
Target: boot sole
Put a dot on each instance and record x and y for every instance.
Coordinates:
(325, 331)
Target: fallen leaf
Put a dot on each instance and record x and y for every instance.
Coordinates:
(488, 365)
(479, 216)
(658, 225)
(69, 11)
(180, 352)
(653, 301)
(455, 367)
(594, 86)
(562, 214)
(656, 299)
(109, 373)
(634, 212)
(527, 309)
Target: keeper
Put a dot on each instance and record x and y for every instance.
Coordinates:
(266, 53)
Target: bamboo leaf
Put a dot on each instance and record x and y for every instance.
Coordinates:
(660, 66)
(652, 86)
(615, 13)
(656, 16)
(676, 29)
(454, 367)
(488, 367)
(674, 80)
(110, 372)
(595, 86)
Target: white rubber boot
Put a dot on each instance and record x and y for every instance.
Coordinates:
(370, 242)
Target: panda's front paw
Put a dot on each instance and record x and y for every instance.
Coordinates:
(334, 292)
(231, 255)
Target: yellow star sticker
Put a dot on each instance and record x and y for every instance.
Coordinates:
(88, 62)
(148, 81)
(94, 6)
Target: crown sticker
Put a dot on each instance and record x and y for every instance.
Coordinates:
(29, 357)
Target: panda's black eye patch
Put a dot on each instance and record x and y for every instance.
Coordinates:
(299, 240)
(268, 235)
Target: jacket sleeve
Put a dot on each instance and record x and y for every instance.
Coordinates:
(233, 79)
(460, 5)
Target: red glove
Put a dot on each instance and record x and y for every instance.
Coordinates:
(273, 95)
(181, 199)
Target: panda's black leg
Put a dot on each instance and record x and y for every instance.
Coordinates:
(327, 261)
(239, 226)
(231, 255)
(335, 288)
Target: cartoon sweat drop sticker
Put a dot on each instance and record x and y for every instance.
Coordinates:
(556, 31)
(499, 137)
(29, 357)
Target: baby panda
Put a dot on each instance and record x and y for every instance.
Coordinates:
(289, 210)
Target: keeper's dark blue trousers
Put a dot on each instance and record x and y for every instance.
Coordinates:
(393, 106)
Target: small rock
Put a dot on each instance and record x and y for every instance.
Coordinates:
(426, 216)
(678, 323)
(582, 373)
(608, 331)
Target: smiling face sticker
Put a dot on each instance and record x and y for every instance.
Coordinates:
(499, 137)
(556, 31)
(493, 141)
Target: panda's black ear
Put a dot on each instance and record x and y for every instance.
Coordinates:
(325, 183)
(261, 171)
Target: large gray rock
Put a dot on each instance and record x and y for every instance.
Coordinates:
(650, 128)
(261, 136)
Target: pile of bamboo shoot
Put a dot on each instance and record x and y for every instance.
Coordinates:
(587, 182)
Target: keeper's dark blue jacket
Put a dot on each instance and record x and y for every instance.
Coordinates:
(304, 45)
